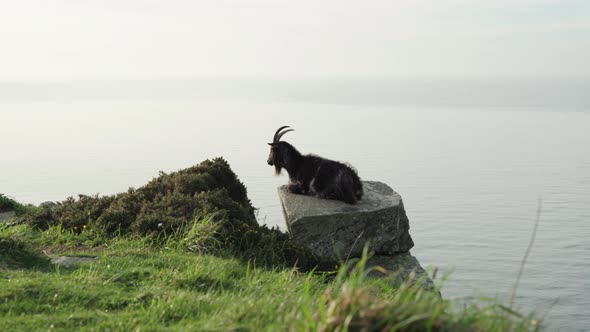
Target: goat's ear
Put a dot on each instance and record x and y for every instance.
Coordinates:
(269, 144)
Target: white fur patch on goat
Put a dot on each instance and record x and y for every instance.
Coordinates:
(312, 187)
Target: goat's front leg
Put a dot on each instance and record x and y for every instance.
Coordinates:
(296, 188)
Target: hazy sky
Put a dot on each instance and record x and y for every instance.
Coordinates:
(127, 39)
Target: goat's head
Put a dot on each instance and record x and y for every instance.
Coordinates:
(277, 156)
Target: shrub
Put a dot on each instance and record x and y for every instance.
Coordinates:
(9, 204)
(170, 204)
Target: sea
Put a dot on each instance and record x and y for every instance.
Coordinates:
(477, 162)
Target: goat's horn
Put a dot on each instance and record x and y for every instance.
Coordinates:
(275, 139)
(283, 133)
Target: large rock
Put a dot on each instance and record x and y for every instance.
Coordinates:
(400, 268)
(336, 230)
(71, 260)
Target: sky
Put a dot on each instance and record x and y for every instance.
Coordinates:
(151, 39)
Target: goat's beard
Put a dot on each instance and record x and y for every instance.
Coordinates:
(278, 169)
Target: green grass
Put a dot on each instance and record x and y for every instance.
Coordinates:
(178, 283)
(185, 253)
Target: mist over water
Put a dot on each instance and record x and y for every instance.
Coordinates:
(470, 161)
(556, 94)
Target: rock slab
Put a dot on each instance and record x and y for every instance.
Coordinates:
(71, 260)
(400, 268)
(336, 230)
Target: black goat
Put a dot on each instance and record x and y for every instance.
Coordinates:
(313, 175)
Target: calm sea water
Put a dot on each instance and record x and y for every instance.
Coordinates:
(470, 176)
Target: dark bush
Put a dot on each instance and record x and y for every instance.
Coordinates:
(170, 203)
(39, 218)
(6, 203)
(9, 204)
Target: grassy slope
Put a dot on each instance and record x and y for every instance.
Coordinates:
(184, 252)
(137, 285)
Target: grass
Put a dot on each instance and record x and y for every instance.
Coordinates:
(177, 284)
(184, 252)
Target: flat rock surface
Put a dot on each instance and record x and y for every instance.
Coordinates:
(71, 260)
(336, 230)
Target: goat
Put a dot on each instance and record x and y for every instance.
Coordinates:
(313, 175)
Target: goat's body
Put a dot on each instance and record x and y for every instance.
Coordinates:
(317, 176)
